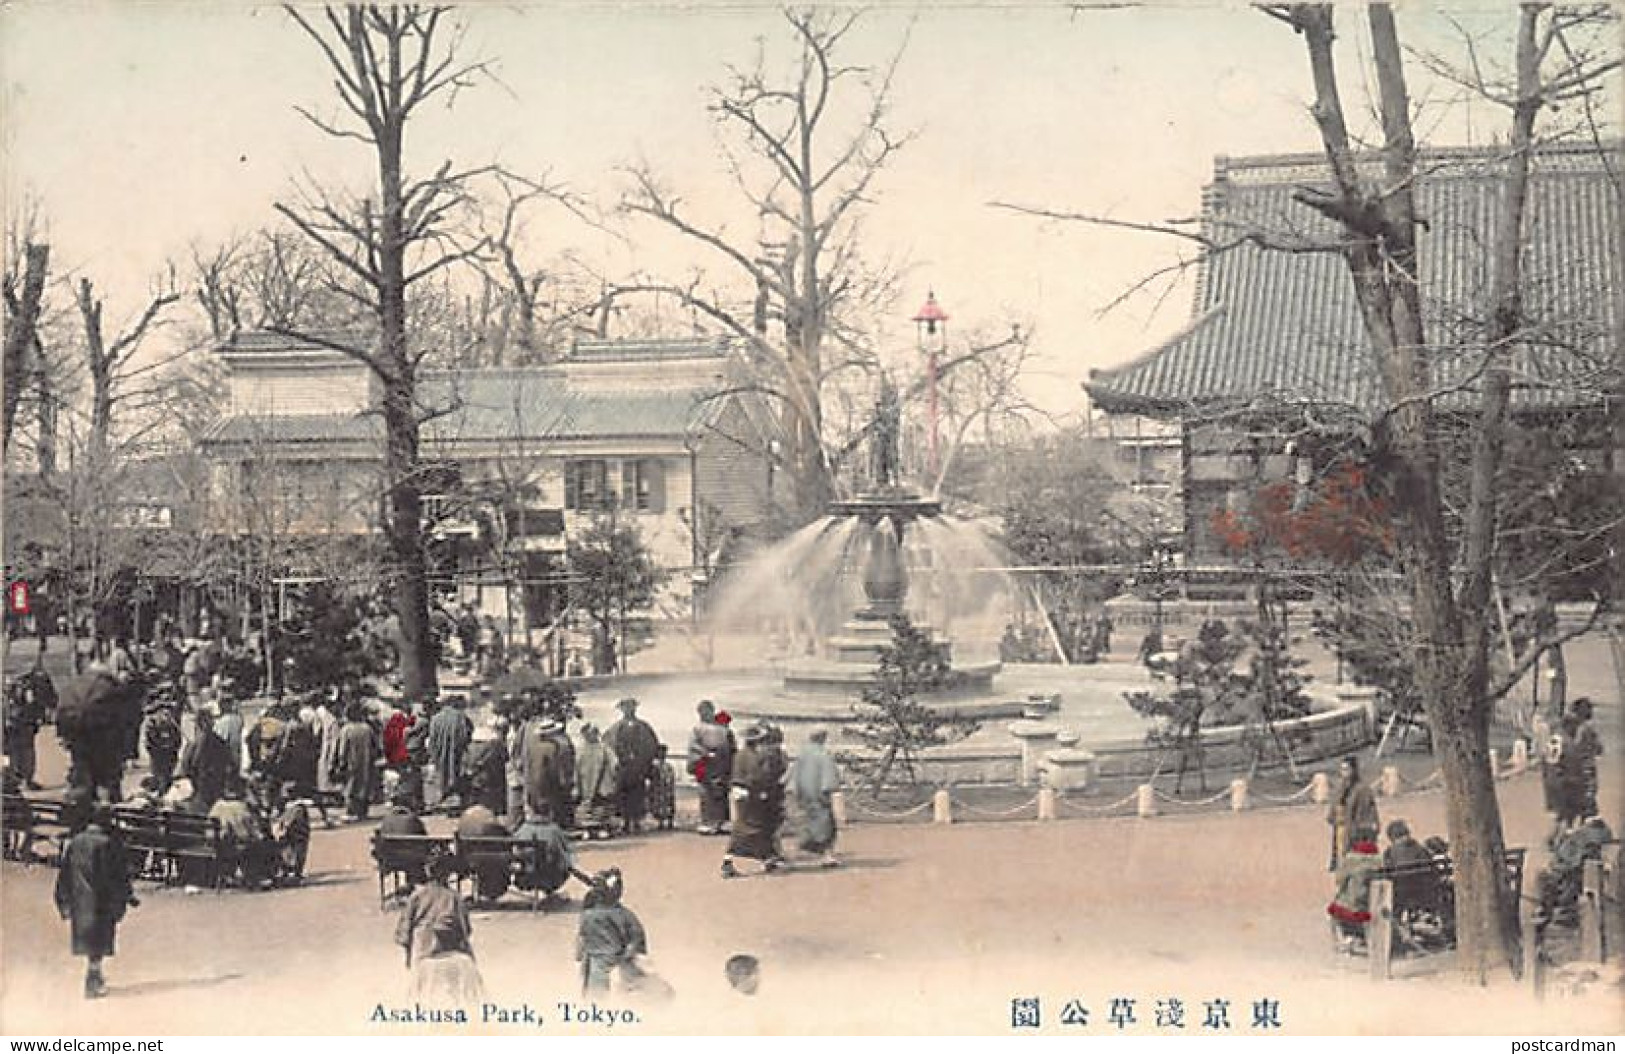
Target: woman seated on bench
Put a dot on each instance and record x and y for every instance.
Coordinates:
(1350, 909)
(247, 849)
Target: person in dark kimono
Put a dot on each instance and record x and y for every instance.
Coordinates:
(206, 764)
(437, 933)
(90, 724)
(547, 778)
(93, 892)
(551, 862)
(492, 871)
(1353, 808)
(597, 783)
(449, 734)
(611, 938)
(662, 791)
(710, 762)
(814, 781)
(485, 769)
(634, 744)
(357, 756)
(163, 742)
(760, 796)
(1587, 747)
(26, 713)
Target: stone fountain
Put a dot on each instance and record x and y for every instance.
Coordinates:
(880, 519)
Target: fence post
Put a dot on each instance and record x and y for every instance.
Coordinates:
(1147, 800)
(1238, 794)
(1320, 788)
(942, 807)
(1520, 756)
(1531, 956)
(1046, 803)
(1591, 911)
(1390, 781)
(1379, 932)
(837, 806)
(1495, 764)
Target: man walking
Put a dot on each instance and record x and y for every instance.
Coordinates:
(635, 745)
(93, 891)
(814, 781)
(358, 754)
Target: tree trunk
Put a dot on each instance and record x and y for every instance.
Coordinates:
(22, 323)
(405, 517)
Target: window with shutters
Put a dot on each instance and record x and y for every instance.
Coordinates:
(586, 485)
(643, 485)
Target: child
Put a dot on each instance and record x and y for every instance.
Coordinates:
(662, 791)
(293, 836)
(611, 938)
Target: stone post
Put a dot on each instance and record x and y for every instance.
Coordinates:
(1591, 911)
(942, 807)
(1037, 739)
(1520, 756)
(1046, 803)
(1146, 800)
(1238, 794)
(1390, 781)
(1320, 788)
(1069, 770)
(837, 806)
(1379, 932)
(1495, 764)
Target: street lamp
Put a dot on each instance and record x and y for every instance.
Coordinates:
(931, 335)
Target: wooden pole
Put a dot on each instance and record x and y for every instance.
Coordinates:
(1379, 932)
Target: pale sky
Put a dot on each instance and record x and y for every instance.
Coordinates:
(144, 127)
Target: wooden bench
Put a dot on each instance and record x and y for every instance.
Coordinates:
(146, 843)
(28, 820)
(516, 856)
(1424, 886)
(401, 858)
(195, 843)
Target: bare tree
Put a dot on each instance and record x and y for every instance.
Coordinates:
(814, 141)
(388, 63)
(23, 293)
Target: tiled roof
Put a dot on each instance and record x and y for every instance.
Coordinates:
(503, 405)
(1275, 327)
(646, 350)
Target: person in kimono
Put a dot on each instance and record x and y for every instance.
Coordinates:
(485, 768)
(357, 755)
(610, 938)
(633, 742)
(710, 762)
(327, 726)
(1350, 909)
(597, 784)
(449, 734)
(757, 789)
(551, 862)
(1353, 808)
(814, 781)
(437, 933)
(93, 890)
(546, 773)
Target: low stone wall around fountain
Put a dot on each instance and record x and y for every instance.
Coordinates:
(1039, 750)
(1328, 734)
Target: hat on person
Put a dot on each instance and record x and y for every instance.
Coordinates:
(549, 724)
(755, 733)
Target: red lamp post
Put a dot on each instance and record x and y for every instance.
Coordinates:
(931, 333)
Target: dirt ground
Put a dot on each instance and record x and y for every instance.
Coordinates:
(924, 930)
